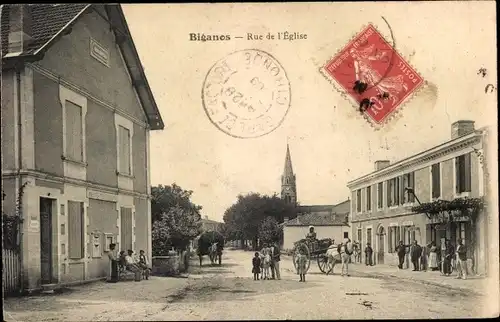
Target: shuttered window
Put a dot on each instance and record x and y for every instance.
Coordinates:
(74, 132)
(463, 173)
(380, 195)
(124, 150)
(408, 182)
(436, 180)
(126, 228)
(368, 198)
(358, 200)
(75, 230)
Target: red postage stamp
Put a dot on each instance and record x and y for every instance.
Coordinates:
(371, 72)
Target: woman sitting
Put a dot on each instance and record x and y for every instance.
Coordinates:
(312, 234)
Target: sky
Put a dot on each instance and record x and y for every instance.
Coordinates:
(330, 142)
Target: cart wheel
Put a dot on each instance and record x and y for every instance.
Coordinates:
(323, 263)
(307, 252)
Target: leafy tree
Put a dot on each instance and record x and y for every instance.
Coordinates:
(176, 228)
(166, 197)
(270, 231)
(244, 218)
(176, 219)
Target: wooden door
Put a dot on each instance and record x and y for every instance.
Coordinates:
(46, 240)
(126, 228)
(381, 246)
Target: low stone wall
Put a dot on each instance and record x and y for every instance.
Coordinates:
(170, 265)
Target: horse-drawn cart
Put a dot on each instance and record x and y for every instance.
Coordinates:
(323, 251)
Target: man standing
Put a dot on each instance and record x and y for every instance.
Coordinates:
(275, 261)
(447, 257)
(401, 250)
(345, 248)
(368, 255)
(462, 269)
(415, 253)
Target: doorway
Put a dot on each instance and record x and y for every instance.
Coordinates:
(46, 240)
(381, 234)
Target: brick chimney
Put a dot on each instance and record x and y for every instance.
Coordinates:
(20, 28)
(461, 128)
(381, 164)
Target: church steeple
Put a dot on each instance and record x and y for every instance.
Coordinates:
(288, 170)
(288, 186)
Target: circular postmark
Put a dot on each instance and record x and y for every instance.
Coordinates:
(246, 94)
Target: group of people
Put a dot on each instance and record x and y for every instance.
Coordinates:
(126, 260)
(265, 264)
(426, 257)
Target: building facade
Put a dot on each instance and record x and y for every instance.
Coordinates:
(77, 112)
(381, 205)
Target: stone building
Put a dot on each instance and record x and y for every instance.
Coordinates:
(381, 204)
(77, 112)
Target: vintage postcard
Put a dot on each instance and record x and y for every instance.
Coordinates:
(249, 161)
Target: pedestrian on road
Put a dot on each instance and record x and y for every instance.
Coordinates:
(462, 269)
(301, 264)
(256, 266)
(448, 256)
(344, 257)
(113, 264)
(275, 261)
(415, 254)
(424, 258)
(368, 255)
(401, 250)
(433, 262)
(144, 264)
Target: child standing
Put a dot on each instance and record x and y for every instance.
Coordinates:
(256, 266)
(301, 263)
(143, 263)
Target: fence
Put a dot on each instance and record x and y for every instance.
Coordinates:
(11, 266)
(11, 271)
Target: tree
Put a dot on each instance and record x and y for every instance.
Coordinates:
(270, 231)
(244, 218)
(163, 198)
(176, 228)
(176, 220)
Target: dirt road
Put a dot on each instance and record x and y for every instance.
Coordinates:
(229, 292)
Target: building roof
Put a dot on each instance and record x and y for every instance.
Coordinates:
(320, 219)
(209, 221)
(473, 136)
(322, 215)
(341, 207)
(50, 22)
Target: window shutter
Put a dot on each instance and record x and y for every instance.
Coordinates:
(467, 172)
(75, 229)
(388, 188)
(74, 135)
(124, 146)
(457, 174)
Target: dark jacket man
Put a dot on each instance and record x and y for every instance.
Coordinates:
(401, 250)
(415, 253)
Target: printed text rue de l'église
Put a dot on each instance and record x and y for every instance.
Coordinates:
(290, 36)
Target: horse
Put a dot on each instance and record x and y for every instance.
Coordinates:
(210, 243)
(333, 258)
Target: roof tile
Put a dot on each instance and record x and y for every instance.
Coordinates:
(47, 21)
